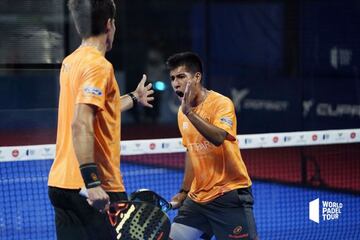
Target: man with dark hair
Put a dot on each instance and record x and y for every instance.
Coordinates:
(88, 137)
(215, 196)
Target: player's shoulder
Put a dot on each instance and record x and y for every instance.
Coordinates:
(97, 60)
(90, 58)
(219, 98)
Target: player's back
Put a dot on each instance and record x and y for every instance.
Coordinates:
(75, 68)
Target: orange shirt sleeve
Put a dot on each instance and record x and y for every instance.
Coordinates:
(92, 89)
(225, 117)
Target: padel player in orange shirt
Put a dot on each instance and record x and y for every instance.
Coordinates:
(88, 134)
(215, 195)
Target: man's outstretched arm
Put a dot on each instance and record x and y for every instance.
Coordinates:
(141, 95)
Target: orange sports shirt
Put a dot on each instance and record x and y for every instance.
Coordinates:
(216, 169)
(88, 78)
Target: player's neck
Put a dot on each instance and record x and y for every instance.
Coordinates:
(201, 96)
(99, 42)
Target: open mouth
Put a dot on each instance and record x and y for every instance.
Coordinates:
(180, 94)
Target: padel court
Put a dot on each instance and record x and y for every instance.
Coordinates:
(281, 210)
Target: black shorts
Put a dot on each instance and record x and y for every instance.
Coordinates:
(75, 219)
(229, 216)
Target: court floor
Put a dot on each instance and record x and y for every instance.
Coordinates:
(281, 211)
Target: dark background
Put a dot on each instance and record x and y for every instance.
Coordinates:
(287, 65)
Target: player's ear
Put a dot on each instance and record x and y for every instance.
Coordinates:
(198, 77)
(108, 25)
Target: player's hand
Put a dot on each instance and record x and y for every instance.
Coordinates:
(98, 198)
(178, 200)
(186, 100)
(143, 93)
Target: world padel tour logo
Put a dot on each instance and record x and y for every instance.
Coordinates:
(328, 211)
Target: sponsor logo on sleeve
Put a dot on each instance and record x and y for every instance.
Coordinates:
(227, 121)
(93, 90)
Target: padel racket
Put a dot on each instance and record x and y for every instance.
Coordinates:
(146, 195)
(137, 220)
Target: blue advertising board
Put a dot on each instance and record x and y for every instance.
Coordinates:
(243, 46)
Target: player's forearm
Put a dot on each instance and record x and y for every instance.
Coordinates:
(83, 141)
(212, 133)
(127, 102)
(188, 178)
(188, 174)
(186, 186)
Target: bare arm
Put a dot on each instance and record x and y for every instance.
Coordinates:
(179, 198)
(188, 174)
(142, 95)
(83, 133)
(212, 133)
(83, 141)
(126, 102)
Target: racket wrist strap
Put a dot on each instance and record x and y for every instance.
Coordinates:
(90, 175)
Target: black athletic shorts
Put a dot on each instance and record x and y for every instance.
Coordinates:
(75, 219)
(229, 216)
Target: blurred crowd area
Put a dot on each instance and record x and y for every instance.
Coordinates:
(287, 65)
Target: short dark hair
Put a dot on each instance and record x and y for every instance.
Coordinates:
(91, 16)
(190, 60)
